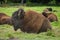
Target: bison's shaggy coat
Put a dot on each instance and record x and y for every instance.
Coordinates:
(30, 21)
(5, 19)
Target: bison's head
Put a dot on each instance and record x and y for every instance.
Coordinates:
(17, 19)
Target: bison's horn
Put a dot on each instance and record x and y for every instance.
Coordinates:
(21, 13)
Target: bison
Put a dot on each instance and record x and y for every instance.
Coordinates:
(5, 19)
(30, 21)
(50, 15)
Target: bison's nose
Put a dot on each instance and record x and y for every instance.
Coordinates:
(15, 29)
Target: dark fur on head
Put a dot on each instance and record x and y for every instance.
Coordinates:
(45, 14)
(18, 17)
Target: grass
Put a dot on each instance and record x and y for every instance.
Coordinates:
(7, 31)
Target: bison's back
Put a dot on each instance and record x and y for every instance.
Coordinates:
(2, 14)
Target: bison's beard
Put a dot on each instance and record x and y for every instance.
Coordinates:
(17, 24)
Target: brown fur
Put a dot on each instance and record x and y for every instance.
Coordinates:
(5, 19)
(34, 23)
(51, 16)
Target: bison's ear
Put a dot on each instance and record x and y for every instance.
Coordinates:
(21, 13)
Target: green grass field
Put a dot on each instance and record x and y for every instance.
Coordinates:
(7, 31)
